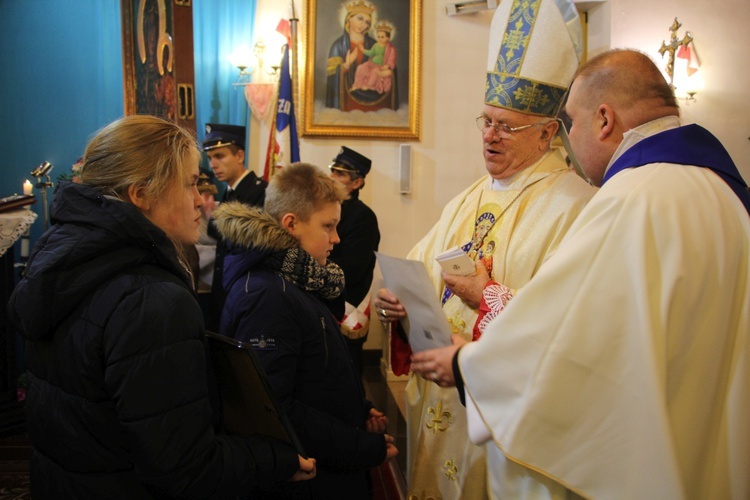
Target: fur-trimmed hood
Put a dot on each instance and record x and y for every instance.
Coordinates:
(248, 227)
(256, 241)
(251, 236)
(93, 240)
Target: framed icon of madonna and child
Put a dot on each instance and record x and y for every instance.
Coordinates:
(363, 69)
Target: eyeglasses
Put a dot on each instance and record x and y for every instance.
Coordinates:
(484, 123)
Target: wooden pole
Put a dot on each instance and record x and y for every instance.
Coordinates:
(293, 62)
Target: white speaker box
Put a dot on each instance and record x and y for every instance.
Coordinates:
(404, 168)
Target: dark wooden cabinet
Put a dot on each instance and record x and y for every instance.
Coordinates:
(14, 229)
(8, 344)
(158, 64)
(11, 410)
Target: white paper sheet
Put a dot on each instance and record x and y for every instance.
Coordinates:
(425, 326)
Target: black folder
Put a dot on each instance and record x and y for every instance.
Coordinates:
(248, 403)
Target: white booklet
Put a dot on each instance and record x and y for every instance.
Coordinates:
(455, 261)
(426, 326)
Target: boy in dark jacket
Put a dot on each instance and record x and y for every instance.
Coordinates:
(283, 298)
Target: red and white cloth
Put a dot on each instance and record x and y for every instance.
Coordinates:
(494, 298)
(688, 52)
(356, 322)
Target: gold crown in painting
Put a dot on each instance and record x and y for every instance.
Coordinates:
(359, 7)
(384, 26)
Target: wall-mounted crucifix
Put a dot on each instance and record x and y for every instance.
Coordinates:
(672, 47)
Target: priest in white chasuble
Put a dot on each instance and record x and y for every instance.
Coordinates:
(508, 222)
(622, 369)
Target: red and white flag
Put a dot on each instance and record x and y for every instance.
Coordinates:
(283, 142)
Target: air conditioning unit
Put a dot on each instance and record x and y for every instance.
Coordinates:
(454, 9)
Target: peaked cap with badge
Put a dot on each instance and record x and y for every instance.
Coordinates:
(219, 135)
(534, 50)
(349, 160)
(206, 183)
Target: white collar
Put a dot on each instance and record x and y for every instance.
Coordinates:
(234, 186)
(503, 184)
(637, 134)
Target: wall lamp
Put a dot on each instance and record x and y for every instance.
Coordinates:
(256, 76)
(252, 61)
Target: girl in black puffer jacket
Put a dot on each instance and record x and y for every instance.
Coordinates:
(119, 399)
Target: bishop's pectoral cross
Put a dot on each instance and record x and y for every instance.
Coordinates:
(673, 45)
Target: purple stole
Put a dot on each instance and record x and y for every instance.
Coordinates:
(691, 145)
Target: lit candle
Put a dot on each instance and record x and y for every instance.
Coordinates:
(24, 247)
(27, 187)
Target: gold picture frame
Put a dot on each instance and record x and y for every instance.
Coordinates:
(157, 55)
(358, 100)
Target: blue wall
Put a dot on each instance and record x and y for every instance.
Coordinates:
(217, 32)
(61, 63)
(61, 81)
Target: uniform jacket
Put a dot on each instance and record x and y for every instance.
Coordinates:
(305, 355)
(355, 254)
(118, 403)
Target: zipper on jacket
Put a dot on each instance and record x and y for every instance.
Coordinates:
(325, 342)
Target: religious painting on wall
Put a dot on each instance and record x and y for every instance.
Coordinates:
(362, 69)
(158, 59)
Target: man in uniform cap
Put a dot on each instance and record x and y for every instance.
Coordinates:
(225, 147)
(355, 253)
(508, 222)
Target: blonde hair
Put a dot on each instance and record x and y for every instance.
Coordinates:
(140, 150)
(301, 189)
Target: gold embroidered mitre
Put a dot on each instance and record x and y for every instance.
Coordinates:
(534, 50)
